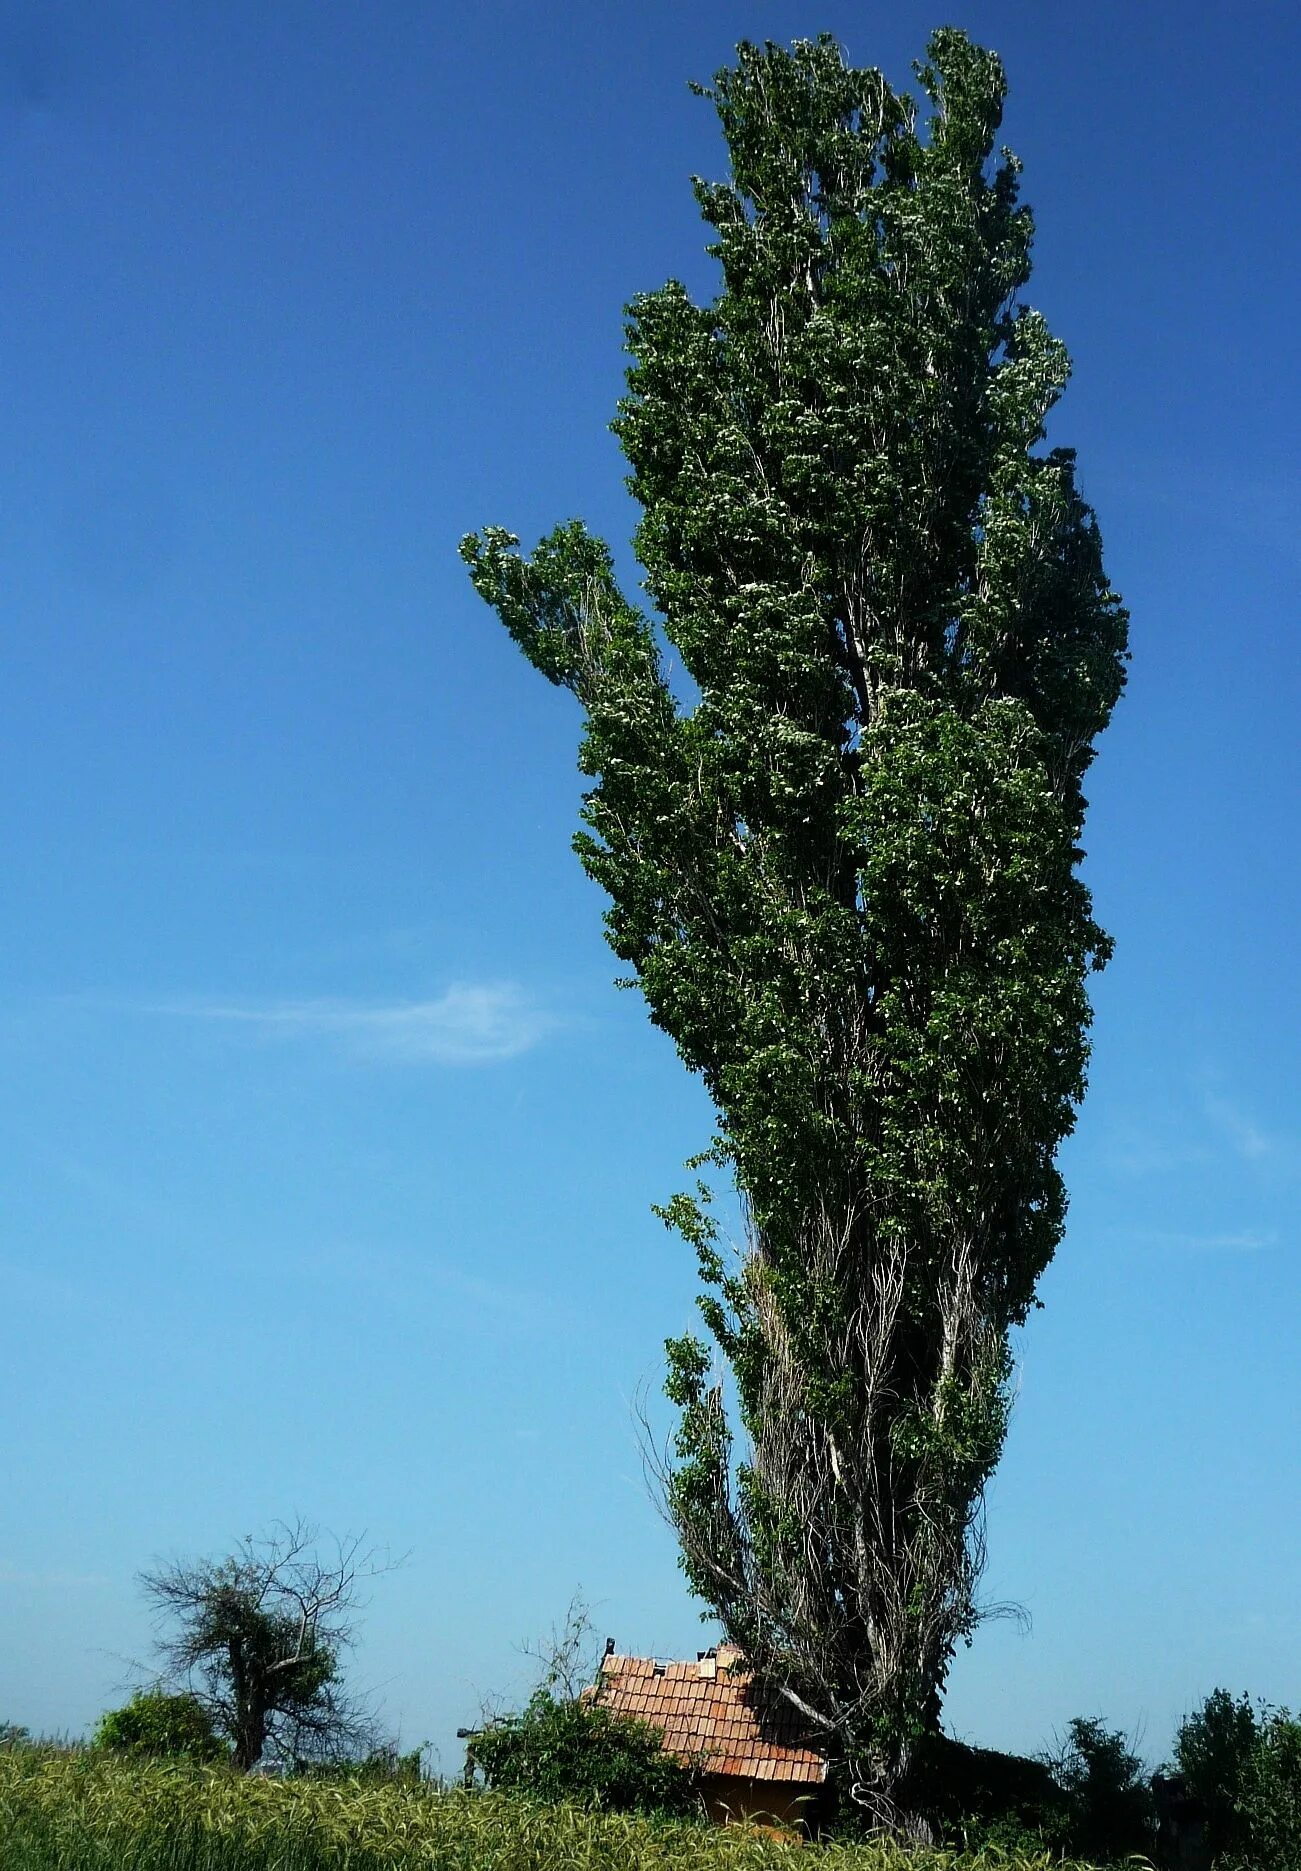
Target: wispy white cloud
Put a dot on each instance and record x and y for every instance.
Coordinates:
(1244, 1241)
(416, 1280)
(469, 1024)
(1240, 1130)
(1205, 1127)
(1136, 1152)
(45, 1577)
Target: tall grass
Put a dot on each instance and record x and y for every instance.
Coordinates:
(86, 1812)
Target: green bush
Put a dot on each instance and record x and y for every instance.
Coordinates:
(1242, 1765)
(384, 1765)
(1213, 1753)
(1270, 1800)
(979, 1797)
(558, 1750)
(1111, 1812)
(154, 1722)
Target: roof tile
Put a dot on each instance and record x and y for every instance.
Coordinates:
(727, 1718)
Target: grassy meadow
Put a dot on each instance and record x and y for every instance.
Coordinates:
(62, 1811)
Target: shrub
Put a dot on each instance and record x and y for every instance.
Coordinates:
(1242, 1765)
(978, 1797)
(1110, 1807)
(155, 1722)
(1213, 1752)
(557, 1750)
(1269, 1803)
(382, 1765)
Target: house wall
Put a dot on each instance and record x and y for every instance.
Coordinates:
(730, 1800)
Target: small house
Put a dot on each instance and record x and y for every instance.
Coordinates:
(749, 1743)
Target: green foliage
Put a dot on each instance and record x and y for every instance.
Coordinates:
(843, 867)
(104, 1813)
(156, 1722)
(1111, 1815)
(1214, 1751)
(379, 1766)
(1242, 1764)
(981, 1797)
(562, 1749)
(390, 1765)
(1270, 1802)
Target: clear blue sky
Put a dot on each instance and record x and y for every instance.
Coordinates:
(328, 1146)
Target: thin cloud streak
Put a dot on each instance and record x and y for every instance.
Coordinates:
(411, 1280)
(27, 1578)
(1248, 1241)
(1245, 1136)
(468, 1025)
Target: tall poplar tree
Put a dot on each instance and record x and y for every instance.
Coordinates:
(842, 859)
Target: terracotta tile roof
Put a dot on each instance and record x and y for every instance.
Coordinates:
(706, 1708)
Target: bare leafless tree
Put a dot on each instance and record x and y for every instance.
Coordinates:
(257, 1636)
(569, 1653)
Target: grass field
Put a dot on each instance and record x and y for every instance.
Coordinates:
(83, 1812)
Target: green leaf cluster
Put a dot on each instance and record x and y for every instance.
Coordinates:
(1241, 1763)
(1111, 1817)
(156, 1722)
(559, 1750)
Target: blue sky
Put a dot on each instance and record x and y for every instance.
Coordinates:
(328, 1145)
